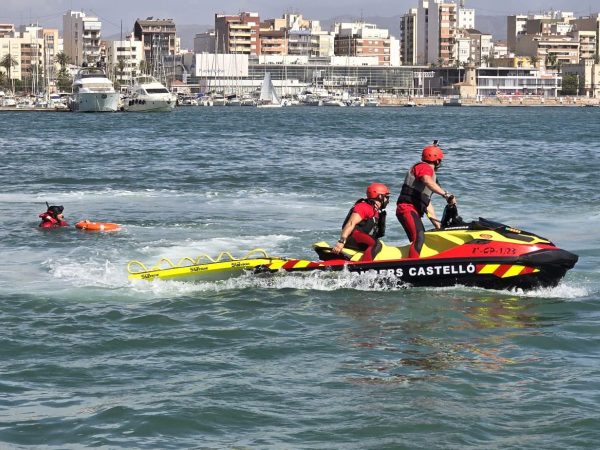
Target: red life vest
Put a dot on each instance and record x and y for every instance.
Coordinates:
(414, 191)
(375, 226)
(49, 221)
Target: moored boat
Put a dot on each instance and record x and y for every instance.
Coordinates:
(93, 92)
(149, 95)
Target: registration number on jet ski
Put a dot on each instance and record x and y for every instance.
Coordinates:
(494, 251)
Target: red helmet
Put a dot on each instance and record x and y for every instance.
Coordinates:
(376, 189)
(432, 153)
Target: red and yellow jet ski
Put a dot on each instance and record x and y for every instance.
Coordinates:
(481, 253)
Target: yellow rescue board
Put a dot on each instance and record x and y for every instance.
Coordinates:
(203, 267)
(208, 271)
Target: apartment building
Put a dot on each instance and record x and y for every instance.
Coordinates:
(123, 59)
(6, 29)
(237, 33)
(441, 32)
(551, 50)
(465, 17)
(364, 39)
(292, 34)
(473, 46)
(27, 49)
(158, 37)
(436, 31)
(205, 42)
(588, 43)
(516, 26)
(81, 35)
(52, 48)
(273, 37)
(589, 23)
(11, 45)
(588, 77)
(408, 37)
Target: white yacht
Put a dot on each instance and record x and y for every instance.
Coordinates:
(148, 94)
(93, 92)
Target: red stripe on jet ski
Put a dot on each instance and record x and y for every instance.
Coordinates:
(502, 270)
(527, 270)
(290, 264)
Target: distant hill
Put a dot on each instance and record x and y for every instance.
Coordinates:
(495, 25)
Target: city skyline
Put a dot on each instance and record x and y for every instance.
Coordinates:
(187, 12)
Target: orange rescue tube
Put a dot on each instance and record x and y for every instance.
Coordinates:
(97, 226)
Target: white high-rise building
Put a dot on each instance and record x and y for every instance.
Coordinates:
(422, 48)
(81, 35)
(465, 17)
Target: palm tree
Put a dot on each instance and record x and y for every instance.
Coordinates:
(62, 59)
(8, 62)
(534, 60)
(63, 79)
(2, 79)
(144, 66)
(121, 67)
(551, 60)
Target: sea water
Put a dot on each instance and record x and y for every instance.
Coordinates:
(91, 359)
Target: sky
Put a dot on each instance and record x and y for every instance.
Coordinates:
(112, 13)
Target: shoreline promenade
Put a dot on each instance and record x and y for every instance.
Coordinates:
(513, 100)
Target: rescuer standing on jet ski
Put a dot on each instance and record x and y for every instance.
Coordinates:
(415, 197)
(365, 223)
(53, 217)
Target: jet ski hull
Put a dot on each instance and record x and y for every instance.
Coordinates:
(483, 253)
(541, 269)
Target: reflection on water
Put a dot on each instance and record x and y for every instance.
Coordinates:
(419, 341)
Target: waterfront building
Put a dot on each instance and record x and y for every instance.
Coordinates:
(292, 34)
(507, 81)
(11, 45)
(465, 17)
(272, 41)
(502, 82)
(437, 30)
(238, 33)
(293, 73)
(473, 46)
(123, 59)
(550, 50)
(52, 47)
(516, 26)
(588, 43)
(422, 48)
(26, 47)
(159, 39)
(499, 49)
(513, 62)
(589, 23)
(205, 42)
(81, 35)
(311, 42)
(6, 29)
(588, 77)
(365, 39)
(408, 37)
